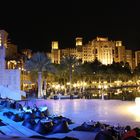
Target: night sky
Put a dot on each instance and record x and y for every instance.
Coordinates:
(34, 25)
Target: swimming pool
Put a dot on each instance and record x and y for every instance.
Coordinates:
(80, 110)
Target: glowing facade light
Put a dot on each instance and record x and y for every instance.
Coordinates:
(99, 86)
(105, 86)
(74, 85)
(68, 83)
(53, 86)
(79, 41)
(78, 84)
(84, 83)
(62, 87)
(55, 45)
(57, 86)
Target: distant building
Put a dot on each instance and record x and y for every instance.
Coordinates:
(79, 41)
(11, 50)
(89, 53)
(79, 47)
(55, 53)
(119, 52)
(11, 54)
(128, 57)
(133, 61)
(101, 48)
(27, 53)
(68, 52)
(8, 78)
(137, 58)
(3, 38)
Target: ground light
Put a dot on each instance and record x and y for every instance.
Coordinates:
(137, 101)
(135, 110)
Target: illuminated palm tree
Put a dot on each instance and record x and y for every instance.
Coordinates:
(136, 73)
(39, 63)
(69, 63)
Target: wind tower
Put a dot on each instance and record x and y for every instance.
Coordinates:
(79, 45)
(55, 53)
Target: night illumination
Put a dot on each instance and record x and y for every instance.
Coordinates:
(102, 85)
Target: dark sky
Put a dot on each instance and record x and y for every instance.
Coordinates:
(34, 25)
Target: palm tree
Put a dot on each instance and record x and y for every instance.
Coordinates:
(39, 63)
(69, 63)
(110, 73)
(136, 73)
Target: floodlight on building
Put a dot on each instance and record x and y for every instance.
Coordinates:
(54, 45)
(79, 41)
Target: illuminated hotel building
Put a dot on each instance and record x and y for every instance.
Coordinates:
(89, 53)
(27, 53)
(119, 52)
(104, 50)
(137, 58)
(128, 57)
(3, 38)
(68, 52)
(100, 48)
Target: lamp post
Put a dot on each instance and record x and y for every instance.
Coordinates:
(102, 95)
(104, 89)
(99, 87)
(84, 85)
(68, 85)
(45, 88)
(74, 85)
(22, 78)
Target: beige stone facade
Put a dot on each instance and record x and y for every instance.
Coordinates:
(137, 58)
(100, 48)
(55, 53)
(128, 57)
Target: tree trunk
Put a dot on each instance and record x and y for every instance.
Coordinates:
(44, 87)
(40, 84)
(70, 69)
(102, 95)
